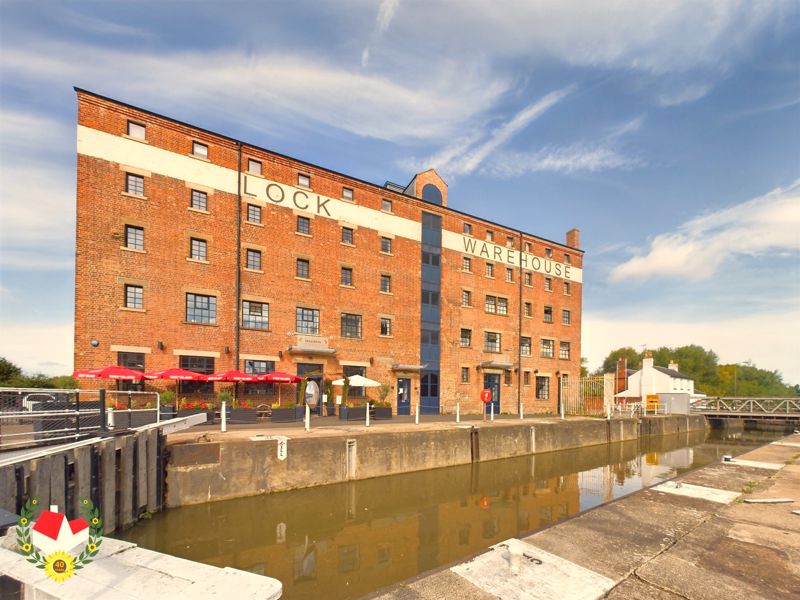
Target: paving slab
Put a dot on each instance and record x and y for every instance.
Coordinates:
(701, 492)
(724, 477)
(634, 588)
(443, 584)
(775, 453)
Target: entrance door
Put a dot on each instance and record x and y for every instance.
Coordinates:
(403, 396)
(313, 372)
(492, 382)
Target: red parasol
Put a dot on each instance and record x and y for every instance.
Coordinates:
(279, 377)
(113, 372)
(176, 375)
(233, 375)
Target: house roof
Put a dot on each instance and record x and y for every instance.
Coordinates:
(672, 373)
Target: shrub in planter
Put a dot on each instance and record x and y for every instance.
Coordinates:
(167, 398)
(192, 408)
(383, 410)
(287, 414)
(242, 413)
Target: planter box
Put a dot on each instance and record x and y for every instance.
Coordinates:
(382, 413)
(185, 412)
(330, 409)
(358, 413)
(167, 412)
(126, 419)
(241, 415)
(288, 415)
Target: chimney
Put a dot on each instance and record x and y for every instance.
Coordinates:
(621, 383)
(574, 238)
(673, 365)
(647, 361)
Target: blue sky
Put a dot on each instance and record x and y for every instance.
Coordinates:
(667, 132)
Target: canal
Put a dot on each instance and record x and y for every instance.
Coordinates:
(346, 540)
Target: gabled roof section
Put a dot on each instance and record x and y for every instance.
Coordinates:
(672, 373)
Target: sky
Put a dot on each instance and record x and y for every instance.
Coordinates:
(667, 132)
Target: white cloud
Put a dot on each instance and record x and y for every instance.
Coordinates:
(386, 12)
(569, 159)
(699, 247)
(689, 93)
(770, 340)
(38, 347)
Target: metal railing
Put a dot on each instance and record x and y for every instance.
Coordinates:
(588, 396)
(748, 406)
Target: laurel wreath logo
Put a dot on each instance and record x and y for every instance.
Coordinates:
(59, 565)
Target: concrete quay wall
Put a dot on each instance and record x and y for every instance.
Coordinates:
(221, 466)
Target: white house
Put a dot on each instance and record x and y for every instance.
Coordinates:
(651, 380)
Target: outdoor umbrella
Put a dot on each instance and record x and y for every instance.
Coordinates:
(234, 376)
(176, 374)
(279, 378)
(113, 372)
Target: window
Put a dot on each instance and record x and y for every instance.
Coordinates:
(526, 378)
(134, 184)
(255, 315)
(351, 325)
(509, 241)
(429, 258)
(466, 264)
(307, 320)
(467, 229)
(386, 283)
(199, 200)
(430, 297)
(548, 284)
(259, 367)
(548, 252)
(528, 310)
(199, 149)
(346, 276)
(429, 337)
(303, 268)
(386, 326)
(529, 279)
(509, 274)
(466, 298)
(303, 180)
(253, 259)
(386, 205)
(303, 225)
(254, 166)
(135, 130)
(201, 309)
(429, 385)
(496, 305)
(548, 314)
(491, 342)
(347, 193)
(507, 377)
(253, 213)
(134, 296)
(567, 259)
(563, 350)
(547, 349)
(489, 270)
(566, 317)
(566, 288)
(355, 392)
(565, 380)
(527, 247)
(525, 346)
(198, 249)
(198, 364)
(386, 245)
(489, 235)
(466, 337)
(131, 360)
(542, 388)
(464, 374)
(134, 237)
(347, 235)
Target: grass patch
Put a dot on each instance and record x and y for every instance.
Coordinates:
(749, 487)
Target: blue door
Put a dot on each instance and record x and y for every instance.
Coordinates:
(492, 382)
(403, 396)
(429, 393)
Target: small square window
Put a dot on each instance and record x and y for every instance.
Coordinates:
(351, 326)
(563, 350)
(466, 337)
(134, 184)
(201, 309)
(566, 288)
(253, 259)
(255, 315)
(134, 237)
(347, 236)
(466, 298)
(386, 205)
(134, 296)
(466, 264)
(529, 279)
(542, 388)
(567, 259)
(491, 342)
(526, 378)
(464, 374)
(198, 249)
(548, 252)
(303, 268)
(467, 229)
(386, 283)
(489, 270)
(346, 276)
(199, 200)
(509, 241)
(566, 317)
(136, 130)
(254, 166)
(509, 274)
(548, 284)
(386, 245)
(547, 349)
(386, 326)
(527, 247)
(525, 346)
(489, 236)
(528, 309)
(253, 213)
(199, 149)
(307, 320)
(303, 180)
(304, 225)
(548, 314)
(347, 193)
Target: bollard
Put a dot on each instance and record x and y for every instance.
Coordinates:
(416, 415)
(223, 418)
(492, 412)
(521, 412)
(367, 414)
(307, 418)
(561, 409)
(458, 412)
(110, 414)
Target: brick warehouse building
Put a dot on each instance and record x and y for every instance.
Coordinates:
(200, 251)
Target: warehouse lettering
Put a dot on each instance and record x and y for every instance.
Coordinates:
(278, 194)
(517, 259)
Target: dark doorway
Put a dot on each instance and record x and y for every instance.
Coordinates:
(312, 372)
(492, 382)
(403, 396)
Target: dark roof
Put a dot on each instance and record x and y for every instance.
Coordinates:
(369, 183)
(672, 373)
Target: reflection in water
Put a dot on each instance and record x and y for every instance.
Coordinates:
(347, 540)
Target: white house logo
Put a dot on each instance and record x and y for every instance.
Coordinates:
(47, 541)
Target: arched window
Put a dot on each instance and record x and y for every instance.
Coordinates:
(430, 193)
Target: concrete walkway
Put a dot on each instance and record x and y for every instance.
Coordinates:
(695, 537)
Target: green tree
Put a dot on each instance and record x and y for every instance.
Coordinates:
(584, 366)
(8, 371)
(610, 363)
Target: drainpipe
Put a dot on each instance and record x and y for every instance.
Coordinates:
(238, 252)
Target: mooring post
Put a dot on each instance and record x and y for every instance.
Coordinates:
(307, 419)
(223, 418)
(491, 408)
(367, 414)
(521, 412)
